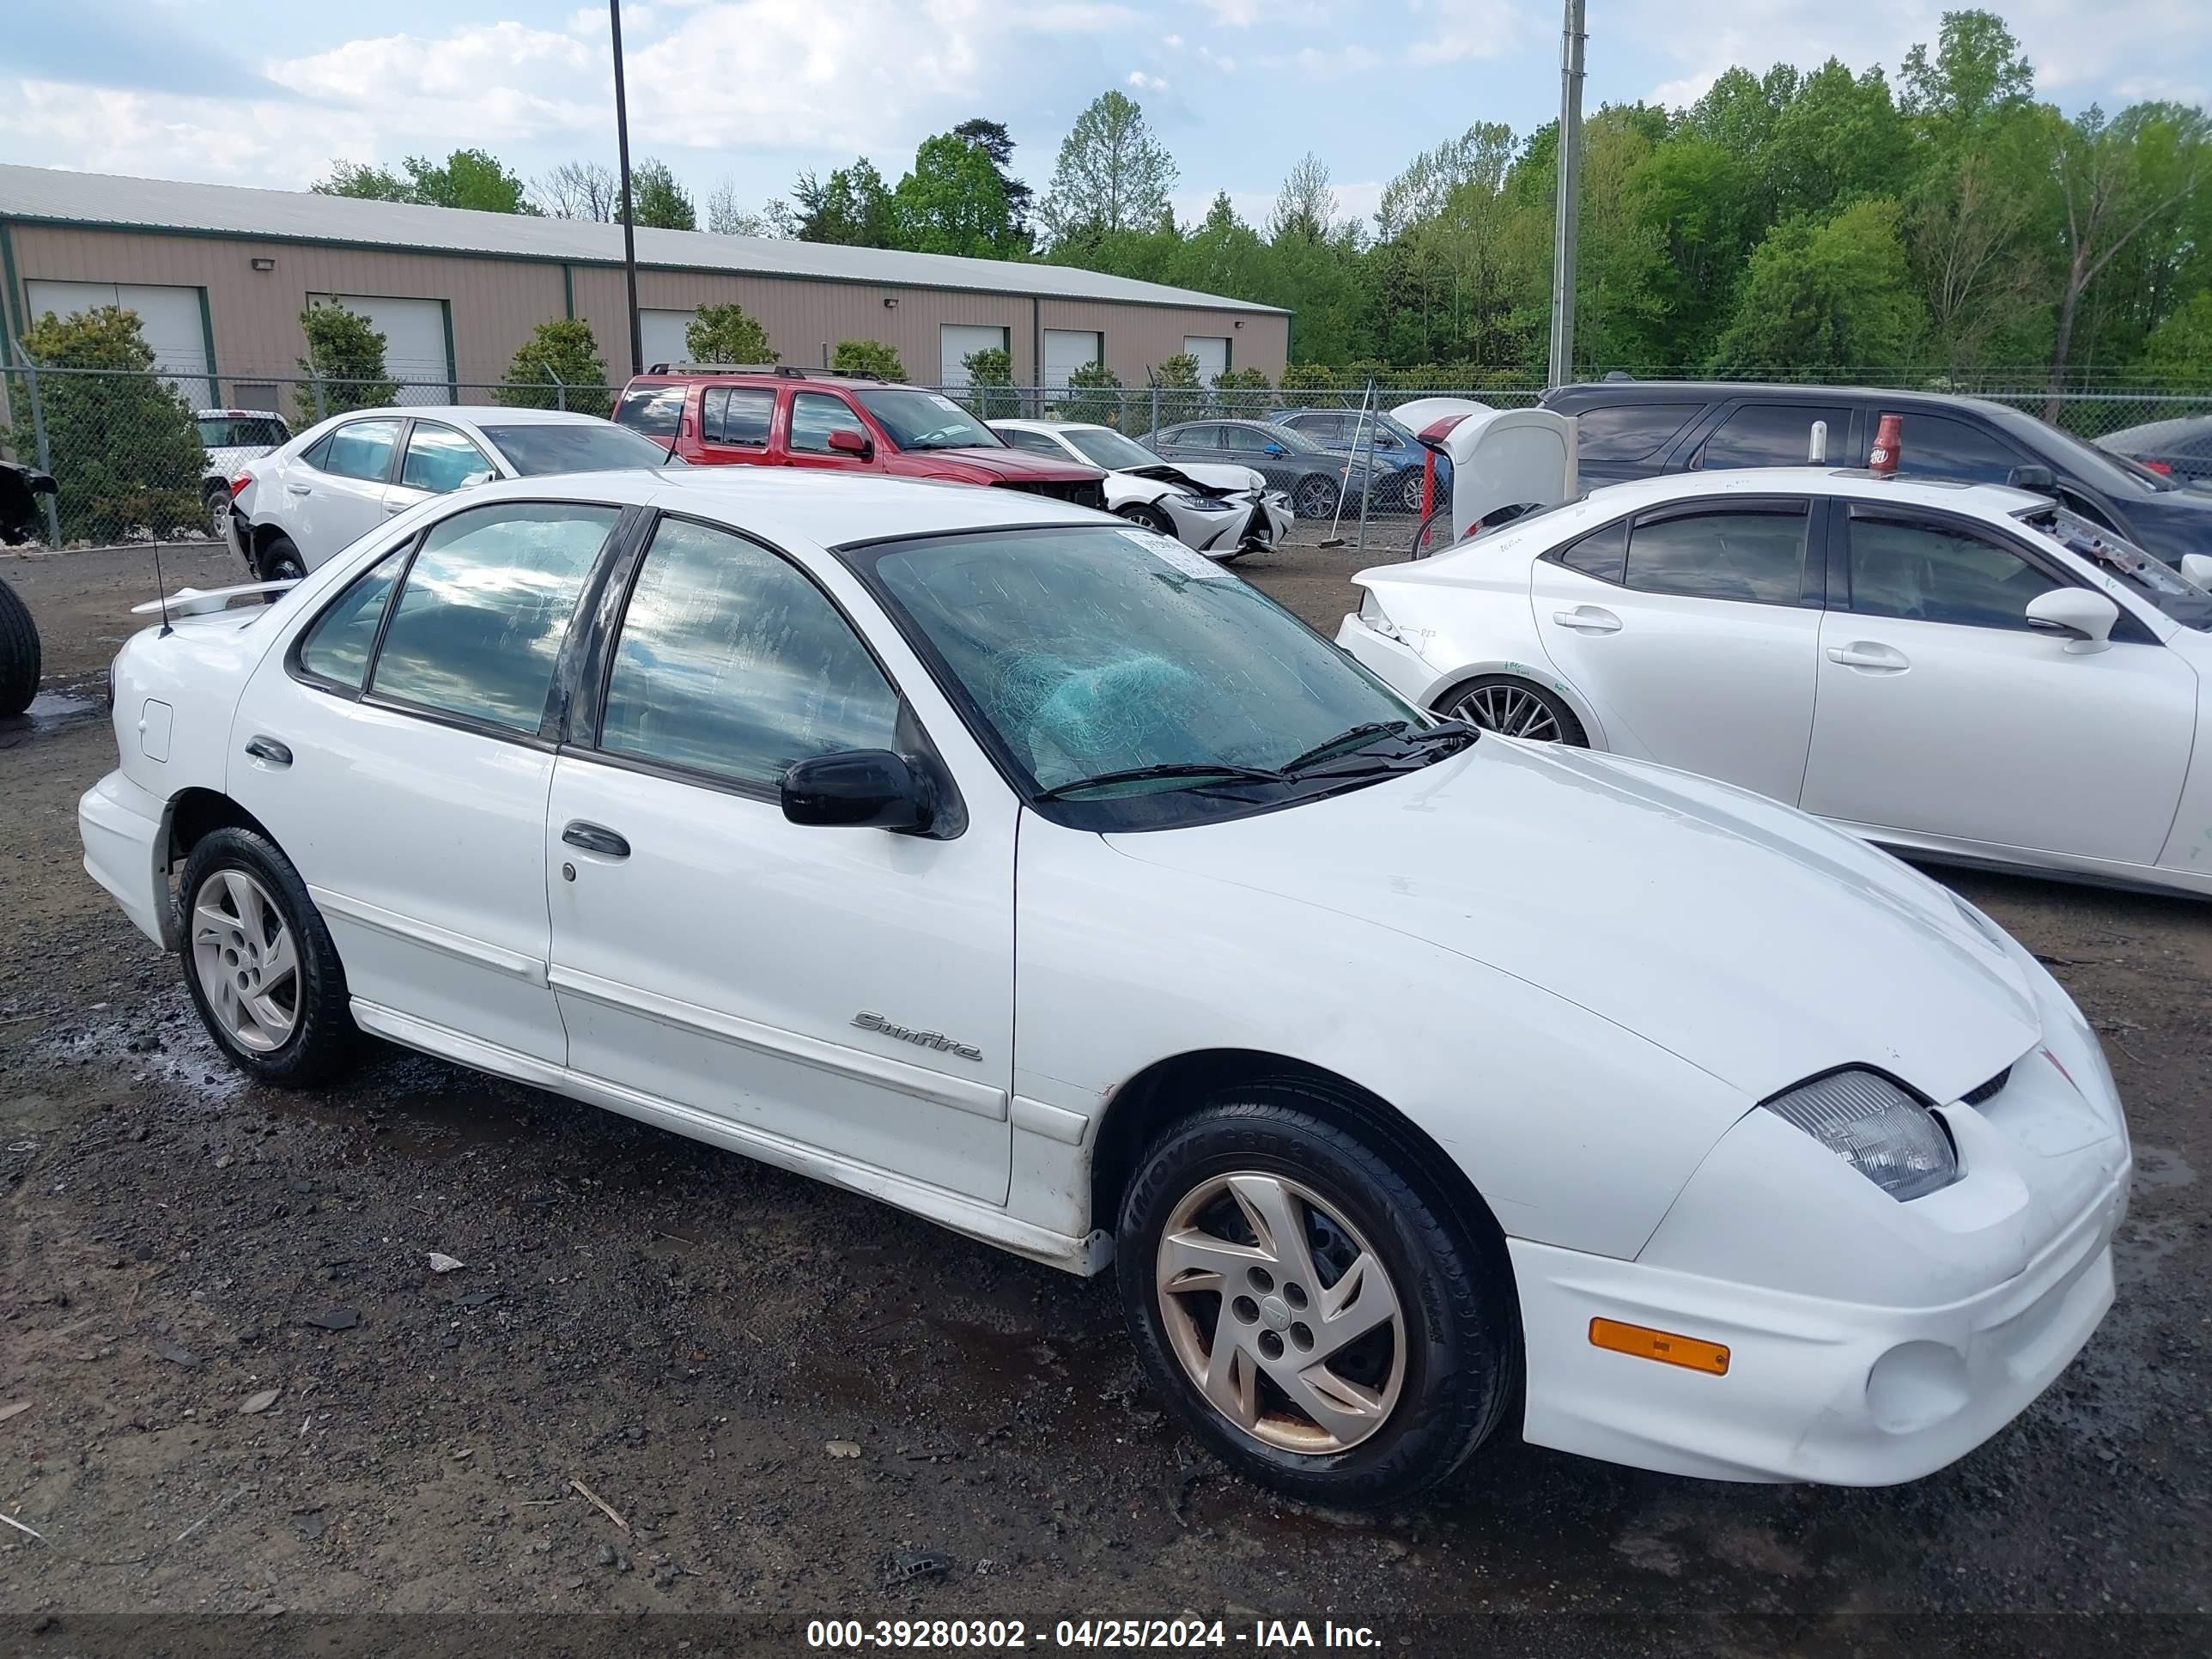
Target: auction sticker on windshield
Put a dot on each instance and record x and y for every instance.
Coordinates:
(1170, 551)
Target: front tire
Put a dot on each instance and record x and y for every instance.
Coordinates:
(1306, 1310)
(1148, 517)
(18, 654)
(259, 963)
(1513, 707)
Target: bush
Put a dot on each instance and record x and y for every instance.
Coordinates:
(1094, 394)
(123, 447)
(1242, 392)
(868, 357)
(345, 353)
(559, 366)
(727, 334)
(1181, 397)
(990, 380)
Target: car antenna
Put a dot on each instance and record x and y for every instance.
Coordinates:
(162, 589)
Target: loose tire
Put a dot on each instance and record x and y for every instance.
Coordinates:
(19, 653)
(1149, 517)
(1435, 534)
(281, 561)
(1513, 707)
(259, 963)
(1308, 1312)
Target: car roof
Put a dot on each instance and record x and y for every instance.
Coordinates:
(1028, 423)
(236, 414)
(1796, 392)
(471, 414)
(2160, 432)
(793, 506)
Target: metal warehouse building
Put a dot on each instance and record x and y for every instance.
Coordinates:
(219, 275)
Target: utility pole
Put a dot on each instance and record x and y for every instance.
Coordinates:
(1569, 194)
(628, 218)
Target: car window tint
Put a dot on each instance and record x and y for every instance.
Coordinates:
(316, 453)
(479, 620)
(439, 459)
(1629, 432)
(336, 647)
(1036, 442)
(1775, 435)
(1196, 437)
(655, 410)
(1928, 572)
(1754, 556)
(1322, 428)
(1938, 446)
(361, 449)
(1245, 440)
(1602, 554)
(737, 415)
(731, 661)
(815, 415)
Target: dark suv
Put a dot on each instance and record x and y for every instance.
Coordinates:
(1638, 429)
(713, 416)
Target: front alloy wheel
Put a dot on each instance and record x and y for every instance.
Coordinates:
(1282, 1315)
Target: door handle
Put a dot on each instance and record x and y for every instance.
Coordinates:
(390, 508)
(1864, 654)
(300, 489)
(595, 838)
(269, 751)
(1588, 619)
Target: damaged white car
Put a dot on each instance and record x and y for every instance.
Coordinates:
(1223, 511)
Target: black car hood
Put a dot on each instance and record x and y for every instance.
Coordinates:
(2170, 524)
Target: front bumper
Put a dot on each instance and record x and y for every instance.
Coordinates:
(125, 830)
(1816, 1389)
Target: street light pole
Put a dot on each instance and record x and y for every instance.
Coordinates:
(628, 218)
(1570, 195)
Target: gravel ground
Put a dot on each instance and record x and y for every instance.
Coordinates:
(696, 1340)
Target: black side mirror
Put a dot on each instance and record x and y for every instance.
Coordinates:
(2040, 479)
(860, 789)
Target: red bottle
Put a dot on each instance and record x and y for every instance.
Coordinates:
(1888, 444)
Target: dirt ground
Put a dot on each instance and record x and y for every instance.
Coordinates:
(685, 1334)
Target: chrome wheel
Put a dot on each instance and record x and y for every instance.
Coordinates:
(1511, 711)
(1316, 498)
(1282, 1317)
(218, 510)
(246, 961)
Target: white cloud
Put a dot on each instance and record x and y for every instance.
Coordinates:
(1146, 82)
(1234, 14)
(1457, 31)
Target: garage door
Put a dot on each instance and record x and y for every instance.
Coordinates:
(1211, 351)
(661, 336)
(171, 319)
(416, 347)
(1066, 350)
(957, 342)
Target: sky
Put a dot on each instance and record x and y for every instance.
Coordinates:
(272, 92)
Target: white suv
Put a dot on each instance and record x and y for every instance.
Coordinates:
(1022, 868)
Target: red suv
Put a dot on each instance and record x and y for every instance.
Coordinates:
(713, 416)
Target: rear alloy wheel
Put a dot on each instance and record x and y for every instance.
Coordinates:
(1515, 709)
(1148, 517)
(1315, 497)
(1308, 1312)
(218, 511)
(260, 964)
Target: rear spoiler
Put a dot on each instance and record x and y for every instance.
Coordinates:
(198, 601)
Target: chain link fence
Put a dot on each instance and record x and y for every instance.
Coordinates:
(139, 456)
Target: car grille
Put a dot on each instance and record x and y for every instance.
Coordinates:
(1087, 493)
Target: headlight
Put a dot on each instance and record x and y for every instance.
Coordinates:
(1874, 1126)
(1201, 503)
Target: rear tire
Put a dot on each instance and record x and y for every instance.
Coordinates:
(217, 499)
(260, 964)
(1403, 1406)
(1315, 497)
(19, 653)
(1513, 707)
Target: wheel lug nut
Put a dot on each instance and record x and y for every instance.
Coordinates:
(1262, 1280)
(1271, 1345)
(1301, 1334)
(1294, 1294)
(1246, 1309)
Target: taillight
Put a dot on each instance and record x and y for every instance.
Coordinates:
(238, 483)
(2159, 466)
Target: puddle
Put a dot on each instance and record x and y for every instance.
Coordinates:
(163, 1045)
(50, 712)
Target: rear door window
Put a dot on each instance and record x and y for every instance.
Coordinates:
(361, 449)
(736, 415)
(1775, 435)
(478, 624)
(336, 648)
(1750, 555)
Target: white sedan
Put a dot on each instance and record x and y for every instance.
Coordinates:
(1221, 510)
(1031, 873)
(1966, 671)
(292, 508)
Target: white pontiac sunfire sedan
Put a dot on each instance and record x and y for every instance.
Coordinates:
(1025, 870)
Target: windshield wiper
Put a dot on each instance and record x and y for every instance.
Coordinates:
(1357, 734)
(1170, 769)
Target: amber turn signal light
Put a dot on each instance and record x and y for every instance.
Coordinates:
(1644, 1343)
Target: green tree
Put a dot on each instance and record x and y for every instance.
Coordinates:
(868, 357)
(1094, 393)
(1699, 197)
(559, 366)
(996, 143)
(1978, 68)
(1839, 137)
(1832, 296)
(659, 201)
(727, 334)
(2179, 349)
(952, 201)
(466, 179)
(344, 362)
(1112, 175)
(125, 452)
(1180, 396)
(1244, 392)
(365, 181)
(1306, 207)
(852, 207)
(990, 380)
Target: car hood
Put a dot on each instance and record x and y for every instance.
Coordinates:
(2172, 523)
(996, 466)
(1205, 480)
(1737, 934)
